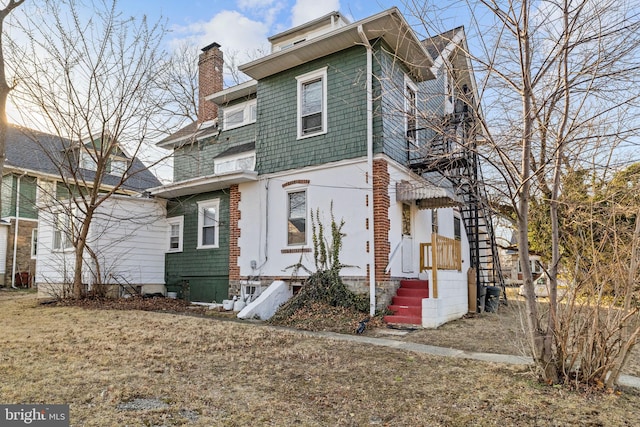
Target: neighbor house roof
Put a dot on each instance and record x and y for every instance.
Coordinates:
(38, 152)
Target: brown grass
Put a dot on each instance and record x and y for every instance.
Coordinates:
(212, 372)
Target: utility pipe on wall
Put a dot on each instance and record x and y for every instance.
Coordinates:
(372, 247)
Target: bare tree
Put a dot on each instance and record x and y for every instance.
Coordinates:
(4, 86)
(555, 79)
(89, 76)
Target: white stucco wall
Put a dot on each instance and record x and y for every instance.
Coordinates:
(264, 232)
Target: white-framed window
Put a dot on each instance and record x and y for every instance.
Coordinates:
(410, 108)
(297, 217)
(118, 167)
(208, 224)
(34, 243)
(176, 227)
(241, 162)
(312, 103)
(240, 115)
(61, 231)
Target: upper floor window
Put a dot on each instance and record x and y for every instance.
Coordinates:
(118, 167)
(297, 218)
(240, 115)
(410, 108)
(208, 224)
(88, 161)
(312, 103)
(176, 225)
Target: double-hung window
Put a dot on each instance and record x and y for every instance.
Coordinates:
(176, 225)
(208, 224)
(312, 103)
(297, 218)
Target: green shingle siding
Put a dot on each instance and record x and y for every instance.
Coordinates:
(206, 270)
(277, 146)
(197, 159)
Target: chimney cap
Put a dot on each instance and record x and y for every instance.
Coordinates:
(211, 46)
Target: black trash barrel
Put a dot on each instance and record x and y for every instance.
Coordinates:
(482, 293)
(492, 299)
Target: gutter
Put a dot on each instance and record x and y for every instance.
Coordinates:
(371, 213)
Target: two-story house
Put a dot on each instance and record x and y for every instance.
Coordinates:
(37, 171)
(338, 114)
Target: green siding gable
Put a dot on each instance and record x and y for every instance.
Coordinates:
(197, 159)
(277, 146)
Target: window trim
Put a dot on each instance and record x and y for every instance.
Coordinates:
(245, 107)
(288, 217)
(301, 81)
(213, 203)
(176, 220)
(65, 243)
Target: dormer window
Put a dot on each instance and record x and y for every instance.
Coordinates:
(88, 161)
(240, 115)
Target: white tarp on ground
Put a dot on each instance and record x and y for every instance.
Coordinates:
(267, 303)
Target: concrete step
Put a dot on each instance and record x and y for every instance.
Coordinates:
(405, 310)
(408, 301)
(414, 284)
(410, 292)
(403, 320)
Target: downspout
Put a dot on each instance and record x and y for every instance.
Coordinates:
(372, 246)
(15, 233)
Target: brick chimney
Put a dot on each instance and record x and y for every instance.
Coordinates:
(209, 80)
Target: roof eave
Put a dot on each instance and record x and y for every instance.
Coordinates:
(389, 25)
(203, 184)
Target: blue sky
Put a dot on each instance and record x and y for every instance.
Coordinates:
(242, 26)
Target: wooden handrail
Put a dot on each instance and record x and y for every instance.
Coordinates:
(446, 256)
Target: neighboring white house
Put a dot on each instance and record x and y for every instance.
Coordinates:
(128, 235)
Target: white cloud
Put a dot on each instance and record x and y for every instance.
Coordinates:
(307, 10)
(254, 4)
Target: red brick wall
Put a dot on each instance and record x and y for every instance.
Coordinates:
(381, 223)
(234, 232)
(210, 81)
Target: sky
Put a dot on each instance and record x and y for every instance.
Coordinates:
(242, 26)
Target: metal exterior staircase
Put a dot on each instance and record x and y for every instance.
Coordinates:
(453, 154)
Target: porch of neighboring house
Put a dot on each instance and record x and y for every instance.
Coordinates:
(422, 302)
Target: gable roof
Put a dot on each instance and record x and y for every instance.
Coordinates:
(25, 151)
(437, 44)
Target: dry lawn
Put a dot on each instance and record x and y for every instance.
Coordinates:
(203, 371)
